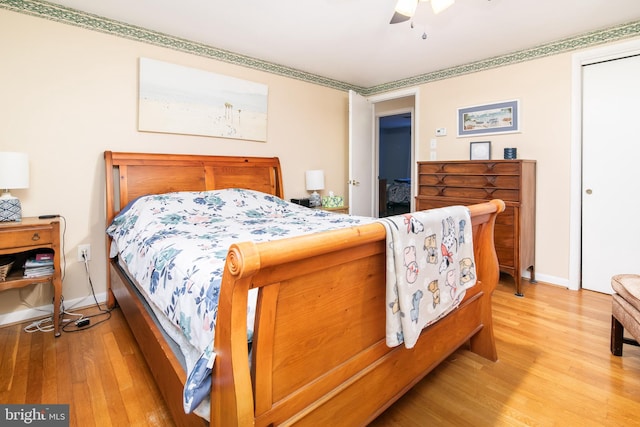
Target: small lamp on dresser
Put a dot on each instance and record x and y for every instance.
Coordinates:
(315, 182)
(14, 174)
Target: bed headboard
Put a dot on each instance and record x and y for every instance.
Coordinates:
(130, 175)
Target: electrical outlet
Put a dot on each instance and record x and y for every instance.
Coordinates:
(84, 250)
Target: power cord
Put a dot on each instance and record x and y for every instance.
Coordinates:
(46, 324)
(84, 322)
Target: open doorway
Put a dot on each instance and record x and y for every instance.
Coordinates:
(365, 196)
(394, 164)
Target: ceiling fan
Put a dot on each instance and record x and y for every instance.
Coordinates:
(406, 8)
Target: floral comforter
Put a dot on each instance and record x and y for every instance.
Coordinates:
(175, 246)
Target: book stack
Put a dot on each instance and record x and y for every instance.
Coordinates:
(39, 265)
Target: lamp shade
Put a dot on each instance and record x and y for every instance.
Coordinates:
(315, 180)
(14, 170)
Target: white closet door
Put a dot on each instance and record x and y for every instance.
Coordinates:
(610, 171)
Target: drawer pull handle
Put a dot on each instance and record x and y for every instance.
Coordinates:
(35, 237)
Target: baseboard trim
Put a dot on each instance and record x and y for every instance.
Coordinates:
(33, 313)
(551, 280)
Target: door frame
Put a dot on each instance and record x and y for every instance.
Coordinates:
(415, 152)
(378, 116)
(615, 51)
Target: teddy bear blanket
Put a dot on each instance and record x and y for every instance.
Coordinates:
(430, 266)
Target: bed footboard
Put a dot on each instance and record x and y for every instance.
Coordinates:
(319, 354)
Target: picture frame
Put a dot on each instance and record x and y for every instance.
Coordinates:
(480, 150)
(489, 119)
(182, 100)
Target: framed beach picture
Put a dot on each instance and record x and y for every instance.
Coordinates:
(488, 119)
(183, 100)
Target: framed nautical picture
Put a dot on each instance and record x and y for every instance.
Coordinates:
(488, 119)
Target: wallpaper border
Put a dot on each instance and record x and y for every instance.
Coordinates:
(74, 17)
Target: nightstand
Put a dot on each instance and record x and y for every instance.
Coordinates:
(19, 239)
(341, 209)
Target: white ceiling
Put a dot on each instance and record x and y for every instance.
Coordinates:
(352, 41)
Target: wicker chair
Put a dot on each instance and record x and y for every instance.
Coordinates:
(625, 313)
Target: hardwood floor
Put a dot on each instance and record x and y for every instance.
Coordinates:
(100, 372)
(554, 368)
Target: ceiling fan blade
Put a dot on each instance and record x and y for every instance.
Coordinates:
(403, 11)
(398, 17)
(406, 8)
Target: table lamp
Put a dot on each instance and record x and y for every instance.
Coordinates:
(14, 174)
(315, 182)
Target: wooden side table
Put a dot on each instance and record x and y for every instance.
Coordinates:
(19, 240)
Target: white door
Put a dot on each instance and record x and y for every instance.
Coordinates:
(610, 171)
(361, 156)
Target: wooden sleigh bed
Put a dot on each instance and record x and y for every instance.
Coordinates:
(319, 355)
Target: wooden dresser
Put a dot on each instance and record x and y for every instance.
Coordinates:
(446, 183)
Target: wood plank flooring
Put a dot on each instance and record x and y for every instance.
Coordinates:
(99, 371)
(554, 368)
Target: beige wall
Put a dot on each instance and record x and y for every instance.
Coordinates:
(69, 94)
(543, 87)
(393, 105)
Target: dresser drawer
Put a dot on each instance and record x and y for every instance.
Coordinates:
(508, 195)
(506, 256)
(503, 236)
(506, 217)
(462, 180)
(31, 236)
(471, 167)
(424, 203)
